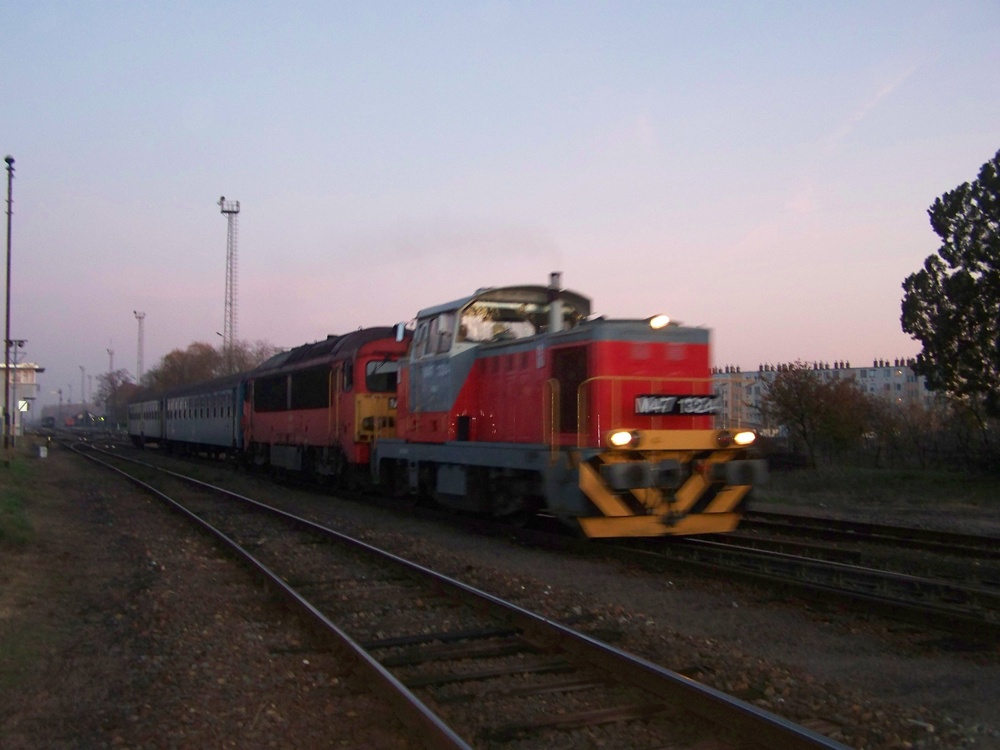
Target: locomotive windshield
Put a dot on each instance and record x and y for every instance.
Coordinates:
(380, 377)
(496, 314)
(498, 321)
(495, 320)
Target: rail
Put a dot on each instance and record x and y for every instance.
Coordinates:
(496, 643)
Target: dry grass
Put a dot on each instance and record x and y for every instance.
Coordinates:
(884, 488)
(15, 529)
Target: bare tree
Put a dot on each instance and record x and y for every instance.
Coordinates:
(114, 389)
(830, 415)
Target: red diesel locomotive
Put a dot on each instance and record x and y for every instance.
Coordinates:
(514, 400)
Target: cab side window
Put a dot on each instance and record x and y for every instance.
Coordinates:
(442, 327)
(420, 340)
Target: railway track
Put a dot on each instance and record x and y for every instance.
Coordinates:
(834, 529)
(462, 667)
(957, 596)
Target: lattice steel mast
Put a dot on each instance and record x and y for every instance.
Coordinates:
(231, 209)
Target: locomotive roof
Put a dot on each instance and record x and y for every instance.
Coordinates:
(538, 295)
(329, 347)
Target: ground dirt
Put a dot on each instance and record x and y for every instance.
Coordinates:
(118, 628)
(121, 629)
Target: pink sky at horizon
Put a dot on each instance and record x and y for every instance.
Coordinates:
(763, 171)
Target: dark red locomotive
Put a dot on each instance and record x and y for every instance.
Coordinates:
(318, 408)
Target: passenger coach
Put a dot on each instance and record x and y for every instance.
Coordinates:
(204, 417)
(145, 421)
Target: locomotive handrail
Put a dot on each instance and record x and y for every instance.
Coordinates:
(551, 391)
(333, 415)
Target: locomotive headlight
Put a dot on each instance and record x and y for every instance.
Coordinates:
(623, 439)
(659, 321)
(743, 438)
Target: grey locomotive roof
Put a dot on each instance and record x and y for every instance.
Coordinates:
(535, 294)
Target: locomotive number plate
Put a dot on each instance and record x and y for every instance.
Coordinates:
(658, 405)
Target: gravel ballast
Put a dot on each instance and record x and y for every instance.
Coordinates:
(143, 636)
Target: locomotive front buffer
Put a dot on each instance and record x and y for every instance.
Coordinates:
(669, 482)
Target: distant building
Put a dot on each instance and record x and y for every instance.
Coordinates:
(23, 392)
(741, 392)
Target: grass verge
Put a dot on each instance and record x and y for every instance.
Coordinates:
(15, 528)
(883, 487)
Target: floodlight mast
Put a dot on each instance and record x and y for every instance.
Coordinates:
(140, 316)
(231, 209)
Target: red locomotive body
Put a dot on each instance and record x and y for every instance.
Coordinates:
(318, 408)
(513, 400)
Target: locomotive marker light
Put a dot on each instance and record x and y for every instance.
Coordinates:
(659, 321)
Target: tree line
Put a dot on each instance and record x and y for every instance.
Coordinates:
(837, 422)
(195, 364)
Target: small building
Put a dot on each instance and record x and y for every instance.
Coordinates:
(23, 392)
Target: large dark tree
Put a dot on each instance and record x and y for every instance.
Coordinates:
(952, 306)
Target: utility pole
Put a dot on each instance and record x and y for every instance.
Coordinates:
(16, 417)
(140, 316)
(231, 209)
(83, 380)
(6, 372)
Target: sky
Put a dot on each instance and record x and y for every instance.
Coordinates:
(762, 169)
